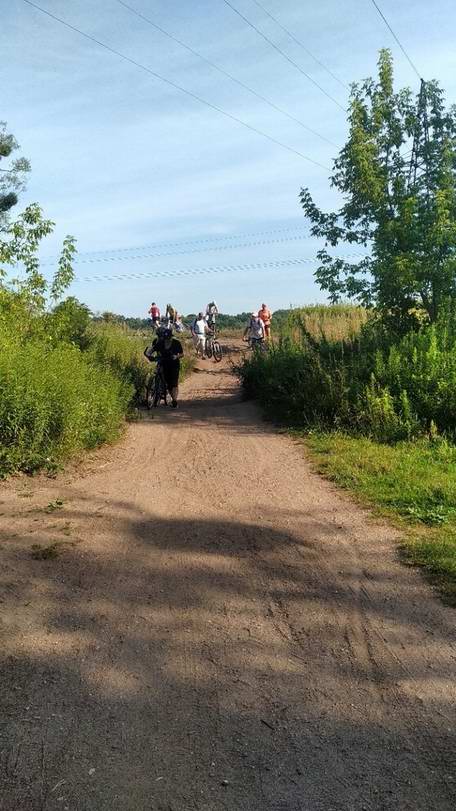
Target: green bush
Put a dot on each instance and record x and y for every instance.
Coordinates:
(114, 347)
(54, 401)
(381, 386)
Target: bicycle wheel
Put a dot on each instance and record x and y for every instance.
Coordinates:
(157, 394)
(151, 392)
(217, 351)
(209, 347)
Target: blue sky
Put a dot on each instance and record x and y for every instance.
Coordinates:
(121, 160)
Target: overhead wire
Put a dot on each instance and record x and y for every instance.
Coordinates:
(224, 72)
(191, 242)
(282, 53)
(411, 63)
(248, 267)
(301, 45)
(212, 249)
(174, 85)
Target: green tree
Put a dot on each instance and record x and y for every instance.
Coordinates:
(399, 204)
(70, 320)
(29, 293)
(12, 174)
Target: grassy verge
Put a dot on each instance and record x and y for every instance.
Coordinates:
(412, 482)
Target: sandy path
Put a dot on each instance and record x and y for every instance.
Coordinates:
(223, 631)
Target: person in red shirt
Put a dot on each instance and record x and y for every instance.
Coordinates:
(155, 314)
(266, 316)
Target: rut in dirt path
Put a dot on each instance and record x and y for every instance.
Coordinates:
(222, 630)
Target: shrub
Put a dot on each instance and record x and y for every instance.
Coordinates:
(374, 383)
(116, 348)
(54, 401)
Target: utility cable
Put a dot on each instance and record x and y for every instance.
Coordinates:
(175, 85)
(225, 72)
(212, 249)
(274, 265)
(282, 53)
(191, 242)
(301, 45)
(374, 3)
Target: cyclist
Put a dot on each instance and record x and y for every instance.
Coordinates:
(169, 351)
(254, 331)
(266, 317)
(200, 329)
(154, 313)
(171, 313)
(211, 312)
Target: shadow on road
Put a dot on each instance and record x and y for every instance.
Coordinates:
(200, 664)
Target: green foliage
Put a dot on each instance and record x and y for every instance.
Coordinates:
(53, 402)
(12, 175)
(19, 247)
(63, 385)
(372, 384)
(404, 219)
(113, 347)
(70, 321)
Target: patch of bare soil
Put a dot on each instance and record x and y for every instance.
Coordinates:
(195, 620)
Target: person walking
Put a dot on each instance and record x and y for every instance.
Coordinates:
(199, 331)
(170, 352)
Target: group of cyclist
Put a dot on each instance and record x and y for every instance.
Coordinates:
(168, 349)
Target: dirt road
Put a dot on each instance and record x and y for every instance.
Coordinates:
(221, 631)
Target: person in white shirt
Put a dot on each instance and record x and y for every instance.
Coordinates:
(255, 331)
(199, 331)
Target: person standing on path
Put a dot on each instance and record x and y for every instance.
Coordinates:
(266, 317)
(170, 352)
(199, 331)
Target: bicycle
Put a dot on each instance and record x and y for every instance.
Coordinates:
(213, 348)
(156, 387)
(257, 344)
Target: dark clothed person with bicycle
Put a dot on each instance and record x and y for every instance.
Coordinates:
(169, 351)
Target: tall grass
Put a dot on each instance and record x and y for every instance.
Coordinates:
(118, 349)
(337, 323)
(66, 383)
(365, 380)
(53, 402)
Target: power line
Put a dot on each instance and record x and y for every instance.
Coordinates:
(282, 53)
(212, 249)
(301, 45)
(175, 85)
(183, 243)
(225, 72)
(274, 265)
(397, 40)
